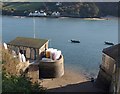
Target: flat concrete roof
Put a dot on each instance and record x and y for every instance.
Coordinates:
(28, 42)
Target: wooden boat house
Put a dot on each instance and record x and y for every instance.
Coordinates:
(30, 47)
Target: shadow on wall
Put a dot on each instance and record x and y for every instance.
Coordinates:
(87, 86)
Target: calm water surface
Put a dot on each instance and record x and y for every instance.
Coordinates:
(83, 57)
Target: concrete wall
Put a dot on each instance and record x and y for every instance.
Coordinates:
(104, 79)
(109, 64)
(115, 84)
(118, 82)
(107, 70)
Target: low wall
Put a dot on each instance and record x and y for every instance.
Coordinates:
(52, 69)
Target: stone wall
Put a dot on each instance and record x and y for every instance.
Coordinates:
(109, 75)
(107, 70)
(115, 84)
(118, 82)
(108, 64)
(103, 79)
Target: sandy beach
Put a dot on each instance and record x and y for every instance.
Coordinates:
(71, 81)
(69, 77)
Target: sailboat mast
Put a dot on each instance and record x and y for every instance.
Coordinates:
(34, 26)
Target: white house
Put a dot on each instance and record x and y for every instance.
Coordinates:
(56, 14)
(37, 13)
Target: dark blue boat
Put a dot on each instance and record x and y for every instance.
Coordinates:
(109, 43)
(75, 41)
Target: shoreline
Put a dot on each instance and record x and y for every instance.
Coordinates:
(69, 77)
(71, 81)
(84, 18)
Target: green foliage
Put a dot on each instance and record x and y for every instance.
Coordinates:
(24, 6)
(80, 9)
(108, 8)
(21, 84)
(11, 81)
(89, 10)
(21, 8)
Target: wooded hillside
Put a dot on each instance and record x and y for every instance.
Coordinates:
(78, 9)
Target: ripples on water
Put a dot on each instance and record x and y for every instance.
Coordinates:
(82, 57)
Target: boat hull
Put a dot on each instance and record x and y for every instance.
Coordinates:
(75, 41)
(109, 43)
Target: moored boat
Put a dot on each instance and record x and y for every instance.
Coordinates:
(109, 43)
(75, 41)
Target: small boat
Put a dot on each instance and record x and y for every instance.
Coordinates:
(109, 43)
(75, 41)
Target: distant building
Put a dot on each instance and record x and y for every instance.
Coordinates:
(37, 13)
(56, 14)
(58, 3)
(109, 73)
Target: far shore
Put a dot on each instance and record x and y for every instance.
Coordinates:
(84, 18)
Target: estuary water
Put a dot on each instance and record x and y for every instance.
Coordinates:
(85, 56)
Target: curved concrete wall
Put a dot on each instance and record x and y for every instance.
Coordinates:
(52, 69)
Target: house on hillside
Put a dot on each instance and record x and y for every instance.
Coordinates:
(55, 14)
(38, 14)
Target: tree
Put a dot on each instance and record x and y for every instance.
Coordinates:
(89, 10)
(12, 84)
